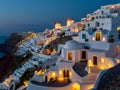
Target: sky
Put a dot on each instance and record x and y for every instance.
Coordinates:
(36, 15)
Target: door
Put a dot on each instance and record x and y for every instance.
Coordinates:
(94, 60)
(98, 36)
(46, 78)
(66, 73)
(84, 55)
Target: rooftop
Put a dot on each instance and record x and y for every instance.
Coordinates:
(73, 45)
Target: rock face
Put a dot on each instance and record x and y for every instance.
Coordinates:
(7, 63)
(10, 43)
(110, 80)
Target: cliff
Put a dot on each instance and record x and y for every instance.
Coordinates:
(8, 62)
(110, 80)
(10, 43)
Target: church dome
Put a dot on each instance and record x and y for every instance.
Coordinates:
(73, 45)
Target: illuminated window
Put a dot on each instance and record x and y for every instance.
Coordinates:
(69, 56)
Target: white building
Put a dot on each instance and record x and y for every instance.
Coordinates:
(98, 45)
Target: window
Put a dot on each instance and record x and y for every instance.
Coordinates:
(92, 19)
(86, 40)
(97, 24)
(84, 55)
(84, 36)
(69, 56)
(102, 12)
(88, 25)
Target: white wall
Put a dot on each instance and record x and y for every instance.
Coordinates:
(80, 39)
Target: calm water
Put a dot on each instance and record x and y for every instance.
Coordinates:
(2, 39)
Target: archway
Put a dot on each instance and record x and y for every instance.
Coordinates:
(98, 36)
(116, 50)
(75, 86)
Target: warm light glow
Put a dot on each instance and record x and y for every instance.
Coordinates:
(117, 60)
(112, 7)
(102, 60)
(25, 83)
(76, 86)
(102, 66)
(93, 38)
(60, 72)
(53, 74)
(70, 74)
(41, 72)
(91, 86)
(89, 70)
(90, 63)
(104, 39)
(118, 28)
(53, 38)
(69, 22)
(61, 79)
(6, 84)
(98, 36)
(58, 26)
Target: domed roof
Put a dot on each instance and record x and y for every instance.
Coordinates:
(73, 45)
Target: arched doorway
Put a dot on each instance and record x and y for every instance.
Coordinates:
(75, 86)
(98, 36)
(70, 56)
(116, 50)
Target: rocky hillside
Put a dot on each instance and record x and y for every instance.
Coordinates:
(9, 62)
(10, 43)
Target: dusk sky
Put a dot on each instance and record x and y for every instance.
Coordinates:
(36, 15)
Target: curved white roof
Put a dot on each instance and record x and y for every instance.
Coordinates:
(73, 45)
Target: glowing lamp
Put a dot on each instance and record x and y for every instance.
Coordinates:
(118, 28)
(93, 38)
(103, 39)
(90, 63)
(102, 60)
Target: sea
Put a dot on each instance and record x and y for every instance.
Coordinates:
(2, 39)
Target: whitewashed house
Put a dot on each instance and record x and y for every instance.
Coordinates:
(98, 44)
